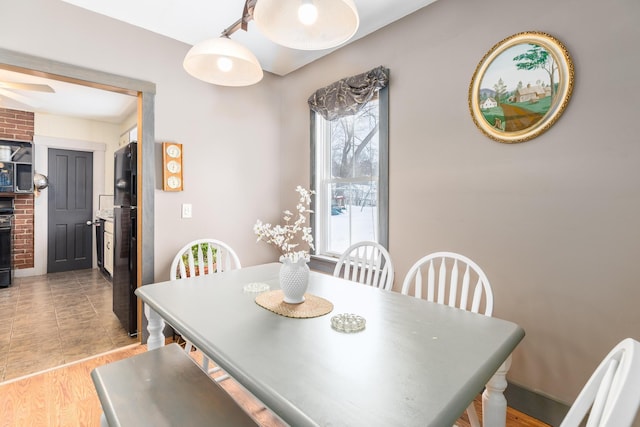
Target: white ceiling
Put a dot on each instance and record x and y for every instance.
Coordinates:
(68, 99)
(190, 22)
(196, 20)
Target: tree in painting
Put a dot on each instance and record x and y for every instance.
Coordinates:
(501, 91)
(538, 58)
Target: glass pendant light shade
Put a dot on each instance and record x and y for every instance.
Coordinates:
(224, 62)
(282, 22)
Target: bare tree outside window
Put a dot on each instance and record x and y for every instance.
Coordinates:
(354, 144)
(354, 153)
(349, 140)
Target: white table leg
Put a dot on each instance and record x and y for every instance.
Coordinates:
(155, 326)
(494, 404)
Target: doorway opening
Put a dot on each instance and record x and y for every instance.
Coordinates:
(144, 93)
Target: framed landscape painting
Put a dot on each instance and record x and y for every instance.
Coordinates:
(521, 87)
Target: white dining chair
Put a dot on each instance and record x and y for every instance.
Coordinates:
(611, 397)
(368, 263)
(201, 257)
(469, 291)
(454, 280)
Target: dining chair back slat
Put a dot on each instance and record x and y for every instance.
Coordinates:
(477, 295)
(454, 292)
(357, 275)
(442, 278)
(227, 260)
(464, 296)
(368, 263)
(209, 257)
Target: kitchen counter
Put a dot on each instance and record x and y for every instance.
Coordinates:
(106, 215)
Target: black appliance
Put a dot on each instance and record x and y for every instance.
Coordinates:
(125, 237)
(6, 241)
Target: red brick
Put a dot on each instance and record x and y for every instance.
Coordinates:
(19, 125)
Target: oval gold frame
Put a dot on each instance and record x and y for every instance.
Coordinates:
(520, 131)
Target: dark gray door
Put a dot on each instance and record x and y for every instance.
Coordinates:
(70, 207)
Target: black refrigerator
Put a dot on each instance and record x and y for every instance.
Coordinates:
(125, 237)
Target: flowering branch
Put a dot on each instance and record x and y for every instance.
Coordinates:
(288, 237)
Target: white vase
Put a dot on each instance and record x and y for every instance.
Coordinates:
(294, 279)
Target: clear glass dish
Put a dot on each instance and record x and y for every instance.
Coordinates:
(256, 287)
(348, 322)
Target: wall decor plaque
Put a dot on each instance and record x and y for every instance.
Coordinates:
(172, 166)
(521, 87)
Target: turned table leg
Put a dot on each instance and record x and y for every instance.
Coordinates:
(494, 404)
(155, 326)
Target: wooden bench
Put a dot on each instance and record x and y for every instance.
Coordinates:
(164, 387)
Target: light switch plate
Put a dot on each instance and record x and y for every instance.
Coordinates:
(187, 210)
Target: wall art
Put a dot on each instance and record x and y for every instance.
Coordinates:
(521, 87)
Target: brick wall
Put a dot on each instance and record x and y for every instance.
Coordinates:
(18, 125)
(23, 232)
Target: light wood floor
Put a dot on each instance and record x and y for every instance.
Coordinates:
(65, 396)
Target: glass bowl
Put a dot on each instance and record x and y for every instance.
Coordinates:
(348, 322)
(255, 287)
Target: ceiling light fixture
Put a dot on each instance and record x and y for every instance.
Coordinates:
(297, 24)
(225, 62)
(307, 24)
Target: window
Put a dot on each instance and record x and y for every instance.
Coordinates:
(350, 176)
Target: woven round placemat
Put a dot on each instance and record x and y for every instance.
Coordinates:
(313, 306)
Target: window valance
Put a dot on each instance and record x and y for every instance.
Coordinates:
(347, 96)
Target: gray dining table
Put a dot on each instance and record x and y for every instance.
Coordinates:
(415, 363)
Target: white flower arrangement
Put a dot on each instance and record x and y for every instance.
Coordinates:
(288, 237)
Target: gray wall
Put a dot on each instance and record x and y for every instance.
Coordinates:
(230, 167)
(552, 221)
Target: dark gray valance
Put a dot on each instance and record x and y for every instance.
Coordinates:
(347, 96)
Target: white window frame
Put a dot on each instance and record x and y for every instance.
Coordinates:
(322, 260)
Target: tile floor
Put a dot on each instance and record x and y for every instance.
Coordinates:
(50, 320)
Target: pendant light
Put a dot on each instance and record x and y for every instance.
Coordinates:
(224, 62)
(298, 24)
(307, 24)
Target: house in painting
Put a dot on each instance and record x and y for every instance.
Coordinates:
(488, 103)
(532, 93)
